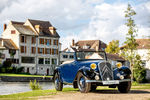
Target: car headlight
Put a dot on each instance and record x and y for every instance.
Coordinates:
(119, 64)
(93, 66)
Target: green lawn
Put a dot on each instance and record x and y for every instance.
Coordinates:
(32, 95)
(21, 75)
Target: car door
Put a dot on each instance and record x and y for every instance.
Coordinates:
(69, 72)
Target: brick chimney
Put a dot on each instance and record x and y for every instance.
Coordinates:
(52, 29)
(38, 28)
(5, 26)
(73, 44)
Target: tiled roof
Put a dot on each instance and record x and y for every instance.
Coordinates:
(114, 57)
(91, 44)
(44, 27)
(15, 22)
(143, 43)
(24, 29)
(9, 44)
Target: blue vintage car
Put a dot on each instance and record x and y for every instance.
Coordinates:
(91, 69)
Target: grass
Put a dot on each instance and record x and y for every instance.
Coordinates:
(33, 95)
(21, 75)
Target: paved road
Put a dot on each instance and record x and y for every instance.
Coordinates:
(100, 95)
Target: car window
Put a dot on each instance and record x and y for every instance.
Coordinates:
(90, 55)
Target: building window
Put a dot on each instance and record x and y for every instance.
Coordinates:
(47, 51)
(23, 49)
(13, 32)
(71, 56)
(41, 61)
(41, 50)
(33, 40)
(14, 61)
(23, 39)
(55, 42)
(33, 50)
(28, 60)
(47, 60)
(55, 51)
(41, 41)
(54, 61)
(48, 42)
(65, 56)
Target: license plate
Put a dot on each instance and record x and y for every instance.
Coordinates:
(110, 82)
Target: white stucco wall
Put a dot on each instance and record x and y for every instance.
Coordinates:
(143, 53)
(7, 34)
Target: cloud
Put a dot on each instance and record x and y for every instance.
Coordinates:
(79, 19)
(107, 22)
(62, 13)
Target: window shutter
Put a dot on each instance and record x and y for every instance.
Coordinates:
(57, 51)
(43, 50)
(49, 41)
(57, 42)
(34, 50)
(50, 51)
(38, 50)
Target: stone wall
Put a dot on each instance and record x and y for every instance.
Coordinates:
(24, 79)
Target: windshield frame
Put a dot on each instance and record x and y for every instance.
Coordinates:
(105, 56)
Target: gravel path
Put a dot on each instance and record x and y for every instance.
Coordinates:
(100, 95)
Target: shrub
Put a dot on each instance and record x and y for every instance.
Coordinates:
(139, 72)
(19, 70)
(7, 64)
(34, 85)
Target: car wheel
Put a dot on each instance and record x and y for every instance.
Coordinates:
(124, 87)
(58, 83)
(93, 87)
(82, 85)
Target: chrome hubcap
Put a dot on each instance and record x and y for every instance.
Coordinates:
(82, 82)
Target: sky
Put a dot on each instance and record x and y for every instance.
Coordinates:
(80, 19)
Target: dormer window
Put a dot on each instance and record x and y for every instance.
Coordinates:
(13, 32)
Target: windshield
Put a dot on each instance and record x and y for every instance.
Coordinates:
(90, 55)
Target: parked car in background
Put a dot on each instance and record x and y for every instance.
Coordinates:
(89, 70)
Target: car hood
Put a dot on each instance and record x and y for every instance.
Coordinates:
(89, 62)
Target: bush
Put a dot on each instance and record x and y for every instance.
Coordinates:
(139, 72)
(7, 64)
(19, 70)
(34, 85)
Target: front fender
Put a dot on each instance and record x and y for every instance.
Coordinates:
(56, 71)
(86, 71)
(125, 71)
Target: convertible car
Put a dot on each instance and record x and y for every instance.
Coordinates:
(91, 69)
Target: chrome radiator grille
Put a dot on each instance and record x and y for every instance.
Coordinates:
(106, 71)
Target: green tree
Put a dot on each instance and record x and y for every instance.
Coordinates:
(130, 43)
(139, 72)
(113, 47)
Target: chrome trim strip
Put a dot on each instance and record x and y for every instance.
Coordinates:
(99, 81)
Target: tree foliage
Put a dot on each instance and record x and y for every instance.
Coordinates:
(130, 43)
(113, 47)
(139, 72)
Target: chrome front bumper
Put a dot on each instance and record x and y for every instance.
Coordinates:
(110, 82)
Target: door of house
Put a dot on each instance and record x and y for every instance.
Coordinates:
(28, 71)
(47, 71)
